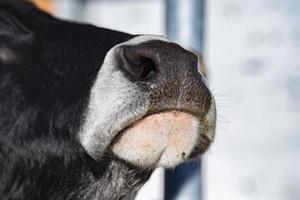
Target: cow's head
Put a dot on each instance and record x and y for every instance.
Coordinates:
(138, 98)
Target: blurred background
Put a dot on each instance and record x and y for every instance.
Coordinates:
(251, 50)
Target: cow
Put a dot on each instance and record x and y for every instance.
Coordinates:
(88, 113)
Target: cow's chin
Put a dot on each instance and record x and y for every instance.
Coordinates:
(162, 139)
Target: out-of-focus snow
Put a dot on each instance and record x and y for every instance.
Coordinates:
(252, 51)
(253, 54)
(133, 16)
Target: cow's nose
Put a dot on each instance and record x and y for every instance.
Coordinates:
(155, 58)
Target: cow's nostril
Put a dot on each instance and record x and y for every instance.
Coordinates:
(137, 64)
(140, 68)
(148, 69)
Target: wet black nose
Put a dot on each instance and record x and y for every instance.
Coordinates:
(168, 74)
(155, 58)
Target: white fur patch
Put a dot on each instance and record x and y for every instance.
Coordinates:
(6, 55)
(163, 139)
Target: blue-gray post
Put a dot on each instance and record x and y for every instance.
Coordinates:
(184, 25)
(185, 22)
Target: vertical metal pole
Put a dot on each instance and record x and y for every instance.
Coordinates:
(185, 22)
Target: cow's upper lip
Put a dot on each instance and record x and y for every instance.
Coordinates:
(206, 124)
(170, 133)
(123, 129)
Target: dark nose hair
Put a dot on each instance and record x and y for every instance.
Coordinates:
(155, 58)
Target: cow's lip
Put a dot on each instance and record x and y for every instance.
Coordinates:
(134, 142)
(123, 129)
(206, 125)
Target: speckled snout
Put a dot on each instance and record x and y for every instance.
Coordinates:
(177, 119)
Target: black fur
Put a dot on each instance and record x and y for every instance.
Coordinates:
(47, 67)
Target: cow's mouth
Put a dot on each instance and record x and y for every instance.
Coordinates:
(160, 139)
